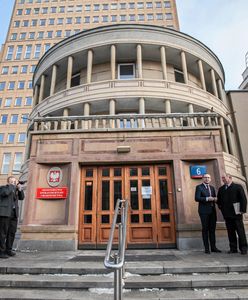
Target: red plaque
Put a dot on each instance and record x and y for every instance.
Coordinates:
(52, 193)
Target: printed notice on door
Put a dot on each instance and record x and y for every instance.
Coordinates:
(146, 192)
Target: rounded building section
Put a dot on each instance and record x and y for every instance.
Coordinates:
(125, 111)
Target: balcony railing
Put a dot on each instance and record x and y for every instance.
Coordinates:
(173, 121)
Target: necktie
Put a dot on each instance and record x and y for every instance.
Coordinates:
(209, 190)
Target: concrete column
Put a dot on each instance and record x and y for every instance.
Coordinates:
(66, 112)
(112, 107)
(214, 83)
(223, 135)
(191, 111)
(36, 95)
(221, 90)
(89, 65)
(163, 63)
(69, 72)
(65, 123)
(202, 77)
(86, 109)
(168, 111)
(42, 88)
(184, 67)
(139, 61)
(141, 106)
(53, 80)
(230, 139)
(113, 62)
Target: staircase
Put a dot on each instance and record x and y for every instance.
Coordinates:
(149, 274)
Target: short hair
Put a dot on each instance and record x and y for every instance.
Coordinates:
(10, 178)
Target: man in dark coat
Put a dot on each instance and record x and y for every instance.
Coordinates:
(206, 196)
(9, 210)
(231, 196)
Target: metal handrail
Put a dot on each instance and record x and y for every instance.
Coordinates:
(115, 260)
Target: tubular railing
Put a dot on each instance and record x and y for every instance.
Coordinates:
(115, 259)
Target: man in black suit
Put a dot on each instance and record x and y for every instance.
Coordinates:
(9, 210)
(206, 196)
(232, 195)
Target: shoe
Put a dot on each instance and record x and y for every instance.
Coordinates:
(216, 250)
(232, 251)
(3, 255)
(10, 253)
(207, 251)
(243, 252)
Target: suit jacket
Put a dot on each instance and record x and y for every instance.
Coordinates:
(201, 194)
(9, 196)
(226, 197)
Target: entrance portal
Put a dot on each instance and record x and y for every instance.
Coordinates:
(148, 188)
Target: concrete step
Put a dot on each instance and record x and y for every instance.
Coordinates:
(165, 281)
(107, 294)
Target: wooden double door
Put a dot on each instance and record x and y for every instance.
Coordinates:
(148, 188)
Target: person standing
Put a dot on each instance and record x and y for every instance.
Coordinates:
(231, 195)
(206, 196)
(9, 210)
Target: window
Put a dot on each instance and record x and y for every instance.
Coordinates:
(113, 18)
(21, 85)
(11, 85)
(179, 76)
(42, 22)
(53, 9)
(17, 162)
(86, 19)
(159, 16)
(131, 5)
(123, 18)
(10, 51)
(19, 52)
(44, 10)
(141, 17)
(79, 8)
(18, 101)
(96, 7)
(28, 51)
(23, 35)
(50, 34)
(8, 102)
(105, 6)
(123, 5)
(24, 69)
(158, 5)
(51, 21)
(32, 68)
(40, 35)
(4, 119)
(21, 1)
(126, 71)
(70, 8)
(95, 19)
(28, 11)
(13, 36)
(30, 84)
(150, 17)
(13, 119)
(105, 18)
(1, 102)
(31, 35)
(34, 22)
(132, 17)
(22, 137)
(60, 21)
(5, 70)
(149, 5)
(78, 20)
(47, 47)
(25, 23)
(1, 138)
(87, 7)
(2, 85)
(11, 138)
(28, 101)
(14, 70)
(24, 118)
(140, 5)
(61, 9)
(168, 16)
(36, 10)
(6, 163)
(69, 20)
(17, 24)
(67, 33)
(59, 33)
(167, 4)
(37, 51)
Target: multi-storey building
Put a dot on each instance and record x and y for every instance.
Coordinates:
(35, 26)
(133, 111)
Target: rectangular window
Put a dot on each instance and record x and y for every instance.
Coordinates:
(95, 19)
(86, 19)
(53, 9)
(28, 50)
(24, 69)
(10, 52)
(25, 23)
(78, 20)
(13, 36)
(8, 102)
(28, 11)
(40, 35)
(22, 35)
(5, 70)
(70, 8)
(167, 4)
(87, 7)
(22, 137)
(79, 8)
(32, 68)
(141, 17)
(4, 119)
(19, 12)
(30, 84)
(69, 20)
(18, 101)
(105, 6)
(21, 85)
(31, 35)
(149, 5)
(59, 33)
(179, 76)
(113, 6)
(2, 85)
(51, 21)
(150, 17)
(6, 163)
(168, 16)
(113, 18)
(36, 10)
(19, 52)
(159, 16)
(11, 85)
(50, 34)
(96, 7)
(105, 18)
(17, 162)
(42, 22)
(14, 70)
(17, 24)
(34, 22)
(24, 118)
(123, 5)
(47, 47)
(1, 138)
(158, 5)
(140, 5)
(44, 10)
(131, 17)
(123, 18)
(126, 71)
(37, 51)
(67, 33)
(61, 9)
(13, 119)
(60, 21)
(11, 138)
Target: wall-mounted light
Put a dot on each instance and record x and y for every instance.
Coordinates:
(123, 149)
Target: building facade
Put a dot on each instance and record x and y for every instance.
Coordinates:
(124, 111)
(35, 26)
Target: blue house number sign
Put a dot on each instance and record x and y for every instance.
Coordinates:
(197, 171)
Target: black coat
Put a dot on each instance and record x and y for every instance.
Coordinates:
(226, 197)
(201, 194)
(9, 196)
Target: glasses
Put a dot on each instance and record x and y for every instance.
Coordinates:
(206, 177)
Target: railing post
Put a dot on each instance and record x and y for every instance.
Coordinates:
(117, 280)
